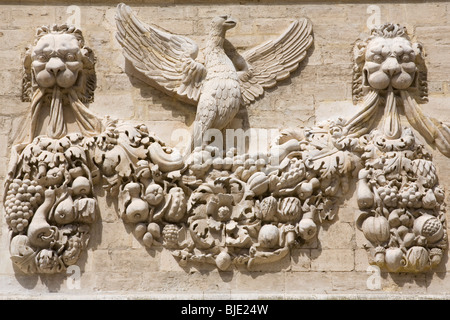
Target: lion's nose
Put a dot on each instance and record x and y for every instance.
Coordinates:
(391, 66)
(55, 65)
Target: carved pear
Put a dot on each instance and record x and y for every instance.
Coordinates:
(137, 210)
(64, 212)
(40, 233)
(364, 195)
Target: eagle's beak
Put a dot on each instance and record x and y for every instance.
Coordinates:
(230, 22)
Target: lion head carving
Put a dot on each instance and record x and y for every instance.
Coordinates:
(388, 58)
(60, 58)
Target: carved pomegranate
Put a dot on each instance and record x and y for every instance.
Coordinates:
(430, 227)
(376, 229)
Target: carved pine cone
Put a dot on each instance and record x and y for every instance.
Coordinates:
(426, 169)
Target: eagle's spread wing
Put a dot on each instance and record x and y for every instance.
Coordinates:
(274, 60)
(162, 59)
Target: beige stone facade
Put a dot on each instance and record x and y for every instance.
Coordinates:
(115, 263)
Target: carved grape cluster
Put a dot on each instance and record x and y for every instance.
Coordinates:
(388, 195)
(410, 196)
(22, 199)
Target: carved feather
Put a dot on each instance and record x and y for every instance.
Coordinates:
(274, 60)
(161, 59)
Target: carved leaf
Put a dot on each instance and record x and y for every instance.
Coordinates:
(335, 163)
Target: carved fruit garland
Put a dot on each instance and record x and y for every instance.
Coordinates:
(403, 209)
(49, 204)
(235, 210)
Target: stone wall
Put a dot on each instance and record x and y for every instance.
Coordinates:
(115, 263)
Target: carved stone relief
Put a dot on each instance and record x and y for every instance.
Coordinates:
(49, 201)
(220, 81)
(219, 206)
(402, 205)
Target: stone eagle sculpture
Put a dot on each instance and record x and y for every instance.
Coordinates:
(219, 85)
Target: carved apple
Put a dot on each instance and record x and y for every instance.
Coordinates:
(394, 259)
(81, 186)
(269, 236)
(223, 260)
(154, 194)
(307, 229)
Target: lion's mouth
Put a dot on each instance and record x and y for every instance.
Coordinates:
(63, 79)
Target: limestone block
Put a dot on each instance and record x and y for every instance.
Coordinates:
(437, 284)
(259, 282)
(301, 260)
(337, 235)
(118, 281)
(334, 109)
(353, 282)
(332, 260)
(119, 106)
(310, 283)
(424, 14)
(361, 260)
(114, 237)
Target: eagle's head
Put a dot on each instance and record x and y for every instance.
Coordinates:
(220, 24)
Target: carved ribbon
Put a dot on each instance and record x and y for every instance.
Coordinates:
(431, 129)
(363, 121)
(57, 128)
(391, 126)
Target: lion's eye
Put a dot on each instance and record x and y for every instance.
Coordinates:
(70, 57)
(405, 58)
(377, 58)
(42, 58)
